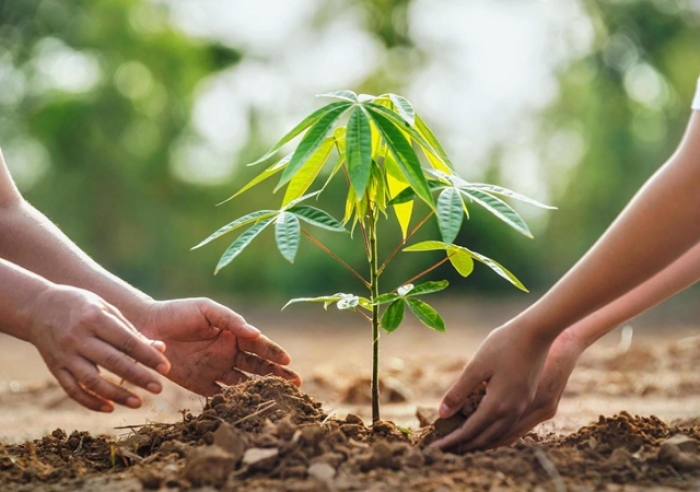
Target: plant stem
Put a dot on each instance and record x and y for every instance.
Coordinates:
(429, 269)
(374, 293)
(403, 242)
(336, 258)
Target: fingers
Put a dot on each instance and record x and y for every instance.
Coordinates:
(222, 317)
(126, 339)
(265, 348)
(234, 377)
(119, 364)
(460, 390)
(76, 392)
(253, 364)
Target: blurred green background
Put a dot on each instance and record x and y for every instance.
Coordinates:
(126, 121)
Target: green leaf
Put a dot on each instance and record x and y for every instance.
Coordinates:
(428, 288)
(426, 246)
(428, 135)
(301, 199)
(499, 208)
(393, 315)
(328, 300)
(461, 260)
(499, 190)
(449, 214)
(358, 150)
(344, 95)
(312, 140)
(499, 269)
(306, 123)
(287, 233)
(384, 298)
(405, 156)
(408, 194)
(426, 314)
(241, 221)
(404, 108)
(270, 171)
(317, 217)
(433, 155)
(241, 242)
(306, 175)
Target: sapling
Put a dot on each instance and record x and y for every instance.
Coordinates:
(378, 141)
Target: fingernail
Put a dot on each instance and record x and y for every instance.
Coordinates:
(444, 411)
(158, 345)
(253, 330)
(163, 368)
(133, 402)
(154, 387)
(106, 408)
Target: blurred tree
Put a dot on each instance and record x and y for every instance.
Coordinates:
(627, 102)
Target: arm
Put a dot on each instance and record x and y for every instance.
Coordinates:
(75, 331)
(206, 342)
(656, 228)
(570, 344)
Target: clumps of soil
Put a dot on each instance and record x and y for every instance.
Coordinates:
(267, 435)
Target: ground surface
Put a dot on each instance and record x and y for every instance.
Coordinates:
(327, 447)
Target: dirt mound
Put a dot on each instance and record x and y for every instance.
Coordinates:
(267, 435)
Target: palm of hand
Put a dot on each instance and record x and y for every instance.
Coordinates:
(207, 344)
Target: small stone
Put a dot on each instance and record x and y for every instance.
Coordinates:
(260, 458)
(426, 416)
(351, 418)
(285, 428)
(312, 434)
(684, 443)
(209, 465)
(383, 427)
(321, 471)
(231, 440)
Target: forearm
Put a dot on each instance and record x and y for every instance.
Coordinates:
(678, 276)
(18, 289)
(31, 241)
(659, 225)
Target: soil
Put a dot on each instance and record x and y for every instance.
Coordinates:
(268, 435)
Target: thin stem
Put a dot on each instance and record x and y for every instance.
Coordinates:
(427, 270)
(403, 242)
(374, 293)
(336, 258)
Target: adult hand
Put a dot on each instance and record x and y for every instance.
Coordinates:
(510, 362)
(208, 344)
(77, 332)
(560, 363)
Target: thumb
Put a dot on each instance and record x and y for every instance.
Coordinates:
(455, 397)
(225, 319)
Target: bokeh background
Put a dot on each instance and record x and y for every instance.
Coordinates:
(127, 121)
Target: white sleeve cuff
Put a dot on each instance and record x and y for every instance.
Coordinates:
(696, 99)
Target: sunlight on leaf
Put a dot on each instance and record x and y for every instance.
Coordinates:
(306, 175)
(241, 242)
(358, 150)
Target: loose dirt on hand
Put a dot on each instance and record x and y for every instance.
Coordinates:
(267, 435)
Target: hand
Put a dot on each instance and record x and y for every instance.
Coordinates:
(561, 360)
(510, 361)
(76, 333)
(208, 343)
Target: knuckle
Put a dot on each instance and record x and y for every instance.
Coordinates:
(90, 314)
(91, 381)
(130, 344)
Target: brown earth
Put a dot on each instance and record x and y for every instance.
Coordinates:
(267, 435)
